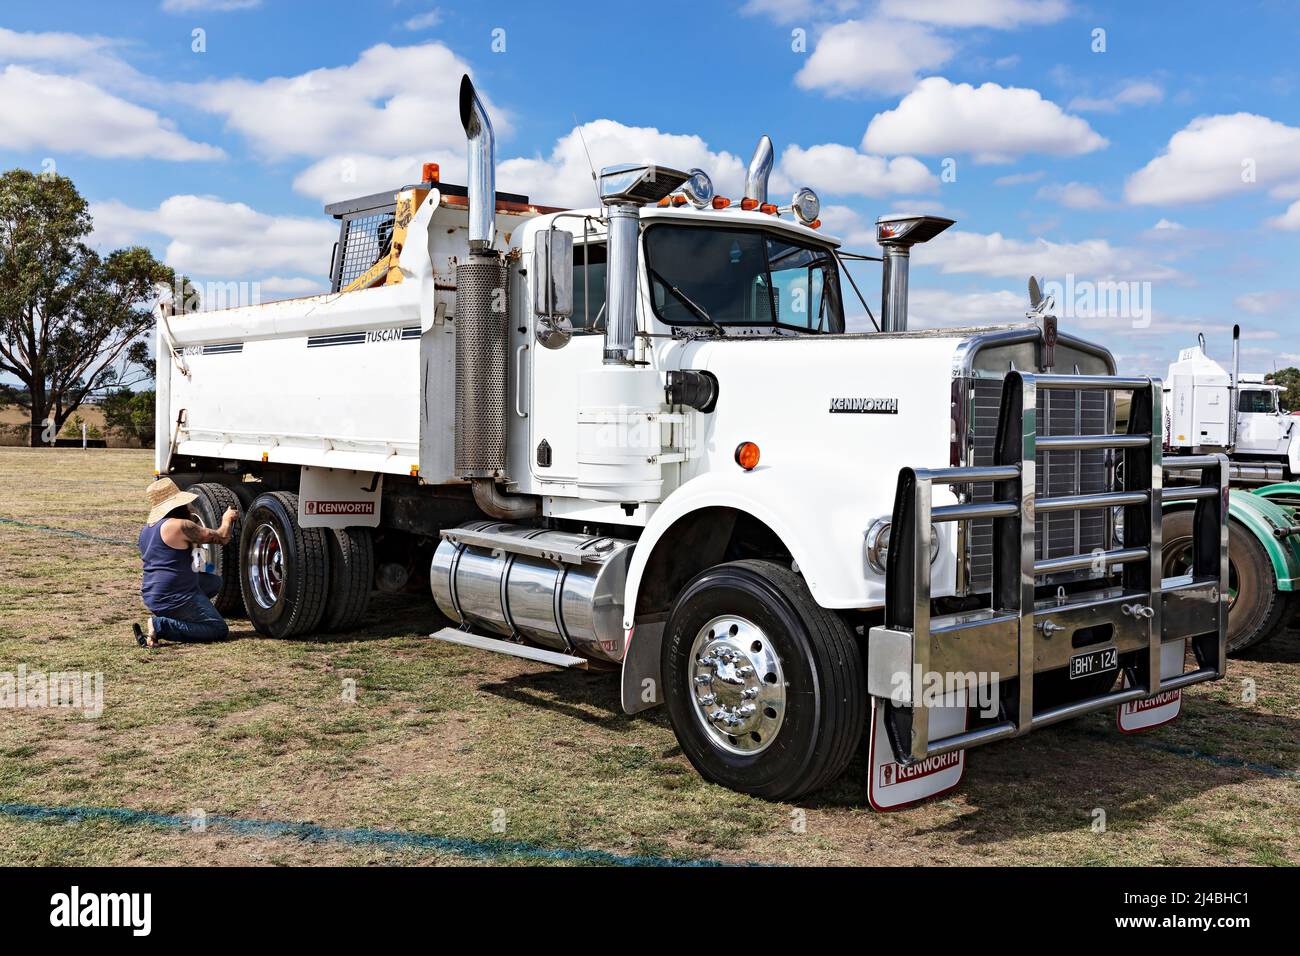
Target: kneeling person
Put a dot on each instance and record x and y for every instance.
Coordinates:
(178, 596)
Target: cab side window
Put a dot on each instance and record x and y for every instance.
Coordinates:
(588, 287)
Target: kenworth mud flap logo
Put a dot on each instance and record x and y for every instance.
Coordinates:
(864, 406)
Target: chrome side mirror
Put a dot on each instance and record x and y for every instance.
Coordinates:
(553, 273)
(554, 332)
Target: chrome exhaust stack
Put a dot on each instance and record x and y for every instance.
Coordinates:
(897, 235)
(1235, 392)
(481, 181)
(482, 314)
(624, 189)
(760, 169)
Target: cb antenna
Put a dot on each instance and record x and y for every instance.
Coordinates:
(590, 165)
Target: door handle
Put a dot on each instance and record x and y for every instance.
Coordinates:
(519, 380)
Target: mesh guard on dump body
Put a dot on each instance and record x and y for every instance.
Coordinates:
(481, 364)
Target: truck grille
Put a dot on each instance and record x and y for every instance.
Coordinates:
(1064, 412)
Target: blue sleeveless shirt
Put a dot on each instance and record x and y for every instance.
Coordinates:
(169, 579)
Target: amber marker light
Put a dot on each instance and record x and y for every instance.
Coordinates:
(747, 455)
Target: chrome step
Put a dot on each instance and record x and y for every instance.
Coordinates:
(496, 645)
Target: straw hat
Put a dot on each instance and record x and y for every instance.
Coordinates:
(164, 496)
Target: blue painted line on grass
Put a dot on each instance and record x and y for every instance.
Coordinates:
(66, 532)
(357, 836)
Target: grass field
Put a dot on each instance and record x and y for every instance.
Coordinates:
(481, 756)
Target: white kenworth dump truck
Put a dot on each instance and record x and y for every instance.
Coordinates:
(638, 437)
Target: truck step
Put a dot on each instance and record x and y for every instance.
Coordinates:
(498, 646)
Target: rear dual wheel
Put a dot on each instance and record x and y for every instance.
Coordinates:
(1256, 608)
(212, 501)
(297, 580)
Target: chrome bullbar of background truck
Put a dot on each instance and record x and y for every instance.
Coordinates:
(1023, 633)
(583, 486)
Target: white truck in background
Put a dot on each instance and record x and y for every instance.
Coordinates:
(639, 437)
(1210, 409)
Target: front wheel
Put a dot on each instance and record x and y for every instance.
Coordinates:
(1256, 608)
(766, 690)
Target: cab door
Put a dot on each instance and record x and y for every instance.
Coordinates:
(553, 409)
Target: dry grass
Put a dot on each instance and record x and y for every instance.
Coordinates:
(444, 740)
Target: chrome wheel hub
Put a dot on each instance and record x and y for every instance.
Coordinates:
(266, 567)
(737, 684)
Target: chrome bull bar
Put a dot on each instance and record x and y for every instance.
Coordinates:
(1021, 634)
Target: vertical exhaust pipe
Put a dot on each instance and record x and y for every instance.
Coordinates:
(897, 235)
(481, 181)
(1235, 391)
(760, 168)
(482, 314)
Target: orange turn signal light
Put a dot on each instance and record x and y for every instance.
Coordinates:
(747, 455)
(429, 173)
(815, 224)
(748, 204)
(721, 202)
(767, 208)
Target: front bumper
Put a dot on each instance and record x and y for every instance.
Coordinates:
(1134, 610)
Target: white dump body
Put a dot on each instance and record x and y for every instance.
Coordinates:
(361, 380)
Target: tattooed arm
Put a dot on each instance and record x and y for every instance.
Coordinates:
(182, 534)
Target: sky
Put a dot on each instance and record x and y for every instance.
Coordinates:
(1143, 158)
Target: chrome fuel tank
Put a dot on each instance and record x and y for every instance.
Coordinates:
(559, 589)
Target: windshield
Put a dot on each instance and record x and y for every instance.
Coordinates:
(1257, 400)
(715, 276)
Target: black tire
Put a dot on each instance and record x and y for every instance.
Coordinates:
(352, 575)
(825, 699)
(1257, 610)
(211, 504)
(284, 598)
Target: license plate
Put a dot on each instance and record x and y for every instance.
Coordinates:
(1094, 662)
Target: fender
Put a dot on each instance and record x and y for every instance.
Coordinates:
(1254, 511)
(822, 527)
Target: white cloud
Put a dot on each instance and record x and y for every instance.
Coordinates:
(389, 96)
(424, 21)
(202, 6)
(833, 169)
(993, 254)
(1168, 225)
(882, 56)
(992, 123)
(349, 176)
(1133, 93)
(1289, 220)
(215, 240)
(1263, 303)
(999, 14)
(935, 308)
(1074, 195)
(1209, 157)
(564, 178)
(280, 287)
(788, 11)
(67, 114)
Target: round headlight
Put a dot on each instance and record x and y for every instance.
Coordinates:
(806, 206)
(877, 544)
(698, 188)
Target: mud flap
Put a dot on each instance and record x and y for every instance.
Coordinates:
(892, 786)
(1151, 712)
